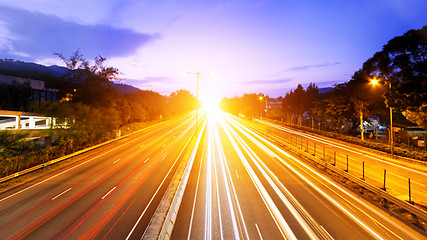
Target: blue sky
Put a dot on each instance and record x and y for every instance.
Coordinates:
(254, 46)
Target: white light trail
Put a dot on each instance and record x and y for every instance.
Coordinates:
(307, 181)
(277, 216)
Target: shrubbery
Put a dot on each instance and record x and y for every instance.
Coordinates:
(398, 149)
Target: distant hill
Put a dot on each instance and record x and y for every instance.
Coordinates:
(12, 65)
(325, 90)
(125, 89)
(52, 73)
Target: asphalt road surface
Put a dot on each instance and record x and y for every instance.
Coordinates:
(111, 193)
(241, 186)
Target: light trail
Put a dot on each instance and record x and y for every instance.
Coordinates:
(338, 145)
(274, 211)
(157, 190)
(292, 207)
(229, 182)
(195, 195)
(306, 221)
(208, 203)
(322, 182)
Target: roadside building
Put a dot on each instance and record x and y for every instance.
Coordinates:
(25, 102)
(274, 108)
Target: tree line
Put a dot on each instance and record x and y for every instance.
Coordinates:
(88, 99)
(400, 71)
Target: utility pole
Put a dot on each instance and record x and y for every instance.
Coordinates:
(391, 130)
(361, 126)
(197, 96)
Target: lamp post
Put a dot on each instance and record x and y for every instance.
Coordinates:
(260, 99)
(375, 82)
(197, 95)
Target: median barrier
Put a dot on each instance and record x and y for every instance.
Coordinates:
(163, 221)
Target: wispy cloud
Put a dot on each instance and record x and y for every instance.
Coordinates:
(269, 82)
(40, 35)
(238, 4)
(175, 20)
(150, 80)
(308, 67)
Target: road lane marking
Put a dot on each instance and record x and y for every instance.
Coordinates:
(141, 146)
(117, 160)
(236, 174)
(164, 145)
(57, 196)
(259, 232)
(146, 160)
(69, 169)
(208, 197)
(195, 195)
(158, 189)
(229, 184)
(218, 201)
(108, 193)
(412, 181)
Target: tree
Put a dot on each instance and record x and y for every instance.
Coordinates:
(403, 64)
(312, 94)
(154, 104)
(89, 84)
(182, 101)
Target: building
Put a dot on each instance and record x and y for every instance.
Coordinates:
(274, 108)
(39, 93)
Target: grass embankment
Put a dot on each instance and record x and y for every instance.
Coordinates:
(17, 154)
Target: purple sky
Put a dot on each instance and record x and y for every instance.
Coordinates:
(255, 46)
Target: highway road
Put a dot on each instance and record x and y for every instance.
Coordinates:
(110, 193)
(240, 186)
(398, 171)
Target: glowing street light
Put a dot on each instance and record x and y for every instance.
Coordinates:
(374, 82)
(197, 94)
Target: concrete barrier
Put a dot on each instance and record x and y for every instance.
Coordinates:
(163, 221)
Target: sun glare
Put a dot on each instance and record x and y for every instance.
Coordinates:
(210, 104)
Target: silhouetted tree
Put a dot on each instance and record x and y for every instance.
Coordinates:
(403, 63)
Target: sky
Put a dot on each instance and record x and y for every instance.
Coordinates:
(237, 46)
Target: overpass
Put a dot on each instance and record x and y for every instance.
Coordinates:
(15, 120)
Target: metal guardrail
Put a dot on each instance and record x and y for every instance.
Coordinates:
(402, 204)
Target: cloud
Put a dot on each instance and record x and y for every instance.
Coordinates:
(39, 35)
(329, 83)
(149, 80)
(307, 67)
(272, 81)
(175, 20)
(238, 4)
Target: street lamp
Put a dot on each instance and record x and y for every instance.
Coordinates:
(261, 98)
(374, 81)
(197, 95)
